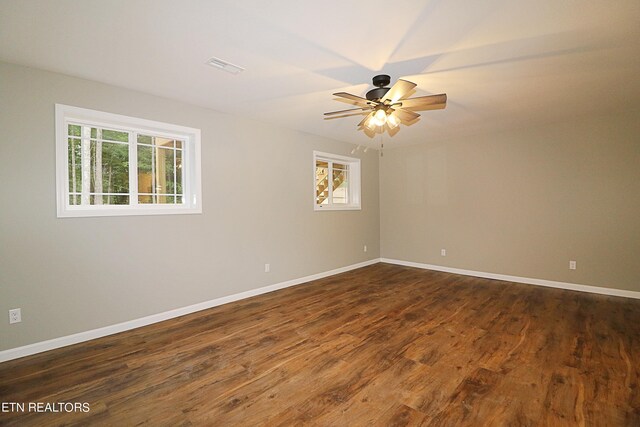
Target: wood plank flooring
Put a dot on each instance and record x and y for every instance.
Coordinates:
(383, 345)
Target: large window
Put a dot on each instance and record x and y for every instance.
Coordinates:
(109, 164)
(336, 182)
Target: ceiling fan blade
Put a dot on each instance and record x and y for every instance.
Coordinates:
(398, 90)
(429, 107)
(357, 99)
(344, 115)
(406, 115)
(365, 120)
(423, 101)
(361, 110)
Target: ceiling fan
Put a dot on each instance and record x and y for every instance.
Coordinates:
(385, 107)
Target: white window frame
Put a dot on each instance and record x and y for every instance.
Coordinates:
(192, 188)
(355, 188)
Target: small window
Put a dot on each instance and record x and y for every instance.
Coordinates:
(336, 182)
(108, 164)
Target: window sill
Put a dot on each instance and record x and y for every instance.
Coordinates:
(336, 208)
(79, 212)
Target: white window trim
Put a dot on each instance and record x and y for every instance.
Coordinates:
(192, 191)
(355, 187)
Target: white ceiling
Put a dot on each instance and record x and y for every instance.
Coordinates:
(502, 63)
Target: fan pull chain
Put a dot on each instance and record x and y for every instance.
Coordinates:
(381, 146)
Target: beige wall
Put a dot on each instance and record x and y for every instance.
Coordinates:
(521, 203)
(77, 274)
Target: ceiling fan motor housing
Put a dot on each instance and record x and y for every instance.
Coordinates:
(377, 93)
(380, 81)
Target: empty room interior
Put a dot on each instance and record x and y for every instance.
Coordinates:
(337, 213)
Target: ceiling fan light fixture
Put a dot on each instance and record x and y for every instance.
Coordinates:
(375, 122)
(393, 121)
(371, 123)
(381, 116)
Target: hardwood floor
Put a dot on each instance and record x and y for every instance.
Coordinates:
(383, 345)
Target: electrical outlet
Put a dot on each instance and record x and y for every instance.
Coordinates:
(443, 252)
(365, 248)
(267, 268)
(15, 315)
(572, 265)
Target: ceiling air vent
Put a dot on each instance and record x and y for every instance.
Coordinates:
(224, 65)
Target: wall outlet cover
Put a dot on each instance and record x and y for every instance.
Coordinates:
(15, 315)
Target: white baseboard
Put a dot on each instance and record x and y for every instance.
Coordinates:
(39, 347)
(518, 279)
